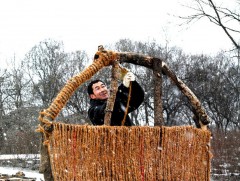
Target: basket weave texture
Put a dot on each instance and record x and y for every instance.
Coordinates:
(107, 153)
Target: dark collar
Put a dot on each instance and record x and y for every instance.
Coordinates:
(97, 101)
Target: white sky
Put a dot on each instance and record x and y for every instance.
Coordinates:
(83, 25)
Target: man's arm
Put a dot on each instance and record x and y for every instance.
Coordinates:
(136, 97)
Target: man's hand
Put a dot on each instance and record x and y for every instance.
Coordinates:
(128, 78)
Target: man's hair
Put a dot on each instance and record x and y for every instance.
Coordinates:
(89, 89)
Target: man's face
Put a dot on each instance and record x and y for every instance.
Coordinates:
(100, 91)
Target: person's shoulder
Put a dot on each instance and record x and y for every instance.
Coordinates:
(96, 102)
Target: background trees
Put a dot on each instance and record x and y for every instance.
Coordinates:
(225, 15)
(44, 65)
(218, 13)
(32, 85)
(227, 18)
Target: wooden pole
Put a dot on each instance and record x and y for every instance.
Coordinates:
(113, 92)
(148, 62)
(157, 79)
(45, 164)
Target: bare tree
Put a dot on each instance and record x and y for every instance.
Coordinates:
(17, 87)
(3, 98)
(225, 18)
(216, 82)
(228, 19)
(3, 90)
(76, 107)
(45, 68)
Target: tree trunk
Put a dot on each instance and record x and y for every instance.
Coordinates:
(45, 165)
(157, 79)
(113, 92)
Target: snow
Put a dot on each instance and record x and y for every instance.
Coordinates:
(28, 173)
(39, 177)
(19, 156)
(13, 170)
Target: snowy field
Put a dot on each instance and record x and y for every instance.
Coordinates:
(14, 170)
(19, 156)
(28, 173)
(39, 177)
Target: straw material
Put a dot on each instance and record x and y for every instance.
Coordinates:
(107, 153)
(104, 59)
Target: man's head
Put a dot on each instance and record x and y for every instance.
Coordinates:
(97, 89)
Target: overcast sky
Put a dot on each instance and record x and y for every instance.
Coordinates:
(83, 25)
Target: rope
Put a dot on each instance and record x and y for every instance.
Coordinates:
(129, 153)
(102, 58)
(128, 102)
(142, 158)
(74, 146)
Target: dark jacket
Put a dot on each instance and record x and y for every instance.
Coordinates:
(97, 107)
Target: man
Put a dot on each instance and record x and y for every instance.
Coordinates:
(98, 93)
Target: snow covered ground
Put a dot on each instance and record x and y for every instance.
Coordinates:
(28, 173)
(13, 170)
(9, 170)
(39, 177)
(19, 156)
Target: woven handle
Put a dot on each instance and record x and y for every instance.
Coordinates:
(102, 58)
